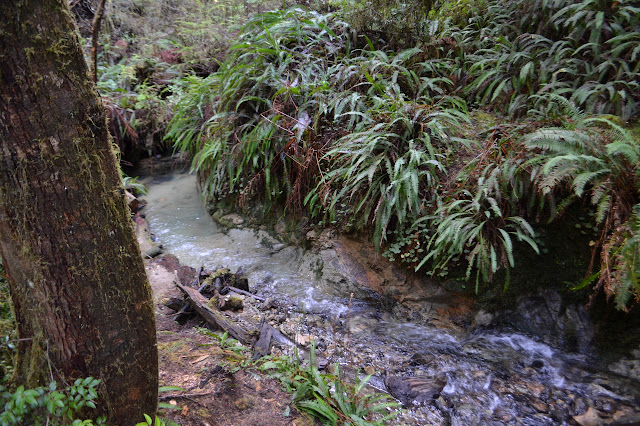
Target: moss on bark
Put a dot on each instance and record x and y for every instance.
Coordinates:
(77, 280)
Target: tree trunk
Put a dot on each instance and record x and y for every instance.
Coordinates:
(77, 280)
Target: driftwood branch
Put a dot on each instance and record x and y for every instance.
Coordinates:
(199, 304)
(246, 293)
(95, 31)
(263, 345)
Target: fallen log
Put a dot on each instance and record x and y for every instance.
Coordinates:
(215, 318)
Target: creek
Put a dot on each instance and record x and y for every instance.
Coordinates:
(461, 377)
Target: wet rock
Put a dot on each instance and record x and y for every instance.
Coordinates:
(605, 405)
(540, 406)
(415, 390)
(227, 221)
(590, 418)
(154, 251)
(277, 247)
(323, 363)
(304, 339)
(628, 366)
(546, 316)
(173, 303)
(627, 420)
(537, 364)
(420, 359)
(266, 305)
(483, 318)
(231, 303)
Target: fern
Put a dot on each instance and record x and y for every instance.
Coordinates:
(598, 161)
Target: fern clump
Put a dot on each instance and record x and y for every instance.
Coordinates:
(516, 56)
(597, 160)
(309, 114)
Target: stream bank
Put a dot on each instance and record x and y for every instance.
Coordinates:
(446, 361)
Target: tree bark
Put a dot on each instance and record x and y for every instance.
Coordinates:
(77, 280)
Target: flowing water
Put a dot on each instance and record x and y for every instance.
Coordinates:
(489, 377)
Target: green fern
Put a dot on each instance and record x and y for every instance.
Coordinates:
(597, 160)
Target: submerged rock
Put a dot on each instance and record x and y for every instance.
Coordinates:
(415, 390)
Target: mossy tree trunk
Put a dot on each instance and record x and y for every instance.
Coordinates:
(81, 297)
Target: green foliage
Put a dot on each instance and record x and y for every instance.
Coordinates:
(482, 224)
(131, 184)
(263, 123)
(326, 396)
(156, 421)
(133, 92)
(518, 55)
(254, 123)
(224, 341)
(398, 23)
(48, 405)
(386, 170)
(597, 160)
(308, 113)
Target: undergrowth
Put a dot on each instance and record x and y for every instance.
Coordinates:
(308, 113)
(326, 396)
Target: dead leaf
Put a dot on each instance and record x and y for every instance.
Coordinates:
(202, 358)
(185, 411)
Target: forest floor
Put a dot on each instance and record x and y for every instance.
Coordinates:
(216, 390)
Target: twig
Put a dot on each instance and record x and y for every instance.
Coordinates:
(246, 293)
(186, 395)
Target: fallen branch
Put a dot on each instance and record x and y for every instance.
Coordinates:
(246, 293)
(263, 345)
(200, 304)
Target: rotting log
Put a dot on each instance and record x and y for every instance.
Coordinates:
(215, 318)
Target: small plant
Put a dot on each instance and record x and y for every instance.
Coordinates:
(225, 343)
(326, 396)
(156, 421)
(48, 404)
(8, 332)
(131, 184)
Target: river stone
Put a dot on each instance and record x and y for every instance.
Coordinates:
(415, 390)
(627, 420)
(590, 418)
(154, 251)
(628, 366)
(483, 318)
(230, 220)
